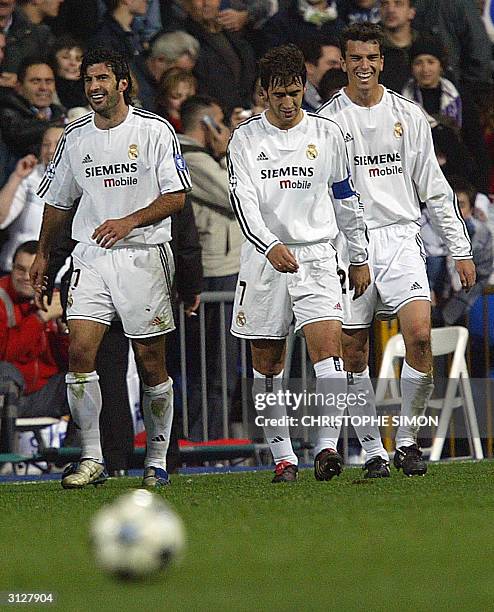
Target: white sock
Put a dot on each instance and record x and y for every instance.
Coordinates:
(330, 379)
(157, 410)
(277, 436)
(84, 396)
(360, 385)
(416, 389)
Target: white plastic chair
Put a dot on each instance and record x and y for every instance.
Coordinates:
(445, 340)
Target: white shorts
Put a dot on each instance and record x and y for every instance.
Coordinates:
(398, 274)
(132, 283)
(267, 301)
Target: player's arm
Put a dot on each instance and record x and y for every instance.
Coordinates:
(59, 190)
(350, 219)
(435, 191)
(112, 230)
(53, 220)
(245, 205)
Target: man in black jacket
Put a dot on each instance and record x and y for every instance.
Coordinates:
(26, 111)
(24, 39)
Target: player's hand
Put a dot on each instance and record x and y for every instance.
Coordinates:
(52, 310)
(466, 272)
(25, 166)
(282, 259)
(111, 231)
(359, 279)
(39, 279)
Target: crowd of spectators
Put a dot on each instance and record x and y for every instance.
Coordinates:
(200, 56)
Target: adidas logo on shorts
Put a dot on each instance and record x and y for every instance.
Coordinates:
(262, 156)
(87, 159)
(415, 286)
(348, 137)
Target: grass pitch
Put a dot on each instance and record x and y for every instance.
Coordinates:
(393, 544)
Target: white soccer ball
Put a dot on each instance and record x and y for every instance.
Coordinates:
(136, 535)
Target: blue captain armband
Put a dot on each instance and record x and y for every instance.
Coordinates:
(343, 189)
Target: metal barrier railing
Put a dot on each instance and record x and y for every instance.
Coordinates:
(221, 299)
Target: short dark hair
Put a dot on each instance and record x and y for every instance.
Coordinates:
(192, 108)
(331, 81)
(30, 247)
(458, 183)
(312, 47)
(364, 32)
(113, 60)
(282, 66)
(29, 61)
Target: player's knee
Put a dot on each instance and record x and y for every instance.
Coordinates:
(354, 359)
(420, 341)
(82, 356)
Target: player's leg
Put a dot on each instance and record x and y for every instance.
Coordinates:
(157, 406)
(324, 346)
(268, 359)
(84, 397)
(416, 382)
(356, 358)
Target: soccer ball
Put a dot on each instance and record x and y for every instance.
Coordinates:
(136, 535)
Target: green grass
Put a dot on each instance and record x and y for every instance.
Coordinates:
(394, 544)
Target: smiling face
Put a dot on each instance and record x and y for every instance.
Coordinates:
(104, 95)
(38, 85)
(69, 63)
(426, 70)
(20, 275)
(363, 63)
(284, 103)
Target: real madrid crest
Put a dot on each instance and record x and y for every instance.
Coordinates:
(398, 130)
(241, 320)
(311, 151)
(133, 152)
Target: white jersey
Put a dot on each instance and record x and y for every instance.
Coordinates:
(394, 166)
(24, 217)
(115, 172)
(280, 180)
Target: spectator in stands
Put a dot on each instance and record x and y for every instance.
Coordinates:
(301, 20)
(225, 67)
(434, 93)
(460, 302)
(358, 11)
(66, 59)
(21, 210)
(170, 50)
(204, 146)
(235, 15)
(149, 25)
(115, 29)
(33, 343)
(24, 39)
(459, 24)
(36, 11)
(7, 79)
(332, 81)
(175, 86)
(26, 113)
(396, 18)
(320, 56)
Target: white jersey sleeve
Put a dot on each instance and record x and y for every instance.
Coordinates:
(435, 191)
(244, 200)
(173, 174)
(348, 208)
(59, 186)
